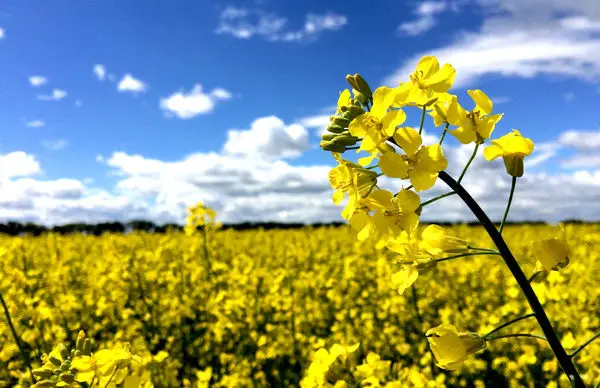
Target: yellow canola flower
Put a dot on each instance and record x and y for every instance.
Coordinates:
(199, 215)
(513, 148)
(436, 241)
(380, 123)
(426, 82)
(552, 253)
(344, 100)
(477, 124)
(451, 348)
(374, 367)
(391, 215)
(421, 164)
(445, 102)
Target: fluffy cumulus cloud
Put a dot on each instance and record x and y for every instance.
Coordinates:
(426, 18)
(57, 94)
(37, 80)
(2, 34)
(523, 38)
(193, 103)
(586, 147)
(130, 84)
(244, 23)
(254, 182)
(268, 137)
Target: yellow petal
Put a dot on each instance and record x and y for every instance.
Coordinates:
(382, 99)
(408, 139)
(408, 201)
(482, 101)
(431, 158)
(492, 152)
(344, 98)
(405, 278)
(442, 80)
(464, 135)
(428, 65)
(392, 120)
(357, 127)
(393, 165)
(421, 179)
(338, 197)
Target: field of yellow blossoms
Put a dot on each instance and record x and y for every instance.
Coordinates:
(309, 307)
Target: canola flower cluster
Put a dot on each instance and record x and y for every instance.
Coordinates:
(309, 308)
(317, 308)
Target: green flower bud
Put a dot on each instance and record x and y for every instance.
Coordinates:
(352, 81)
(42, 373)
(87, 347)
(329, 146)
(341, 121)
(354, 111)
(67, 377)
(65, 367)
(328, 136)
(77, 353)
(54, 360)
(64, 352)
(57, 371)
(362, 98)
(345, 140)
(80, 340)
(335, 128)
(362, 86)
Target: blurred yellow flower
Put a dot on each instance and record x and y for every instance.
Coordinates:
(477, 124)
(552, 253)
(452, 348)
(426, 81)
(436, 240)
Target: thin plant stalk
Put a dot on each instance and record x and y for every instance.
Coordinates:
(502, 326)
(464, 171)
(16, 338)
(582, 346)
(559, 351)
(510, 198)
(517, 335)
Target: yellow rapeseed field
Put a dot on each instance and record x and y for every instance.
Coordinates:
(308, 307)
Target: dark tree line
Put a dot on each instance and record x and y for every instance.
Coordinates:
(16, 228)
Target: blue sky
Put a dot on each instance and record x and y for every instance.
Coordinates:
(120, 109)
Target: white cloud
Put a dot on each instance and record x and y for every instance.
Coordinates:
(188, 105)
(2, 34)
(100, 72)
(57, 94)
(580, 23)
(35, 124)
(243, 23)
(269, 138)
(426, 12)
(130, 84)
(18, 164)
(582, 161)
(55, 145)
(522, 38)
(37, 80)
(581, 140)
(318, 122)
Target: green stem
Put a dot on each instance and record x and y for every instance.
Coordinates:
(502, 326)
(465, 255)
(437, 198)
(517, 335)
(482, 249)
(17, 340)
(422, 119)
(532, 277)
(586, 343)
(111, 376)
(561, 355)
(464, 171)
(444, 134)
(510, 197)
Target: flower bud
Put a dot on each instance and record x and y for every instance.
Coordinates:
(354, 111)
(329, 146)
(328, 136)
(42, 373)
(363, 99)
(87, 347)
(514, 166)
(64, 352)
(67, 377)
(451, 348)
(80, 339)
(341, 121)
(352, 81)
(362, 86)
(55, 361)
(345, 140)
(334, 128)
(432, 101)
